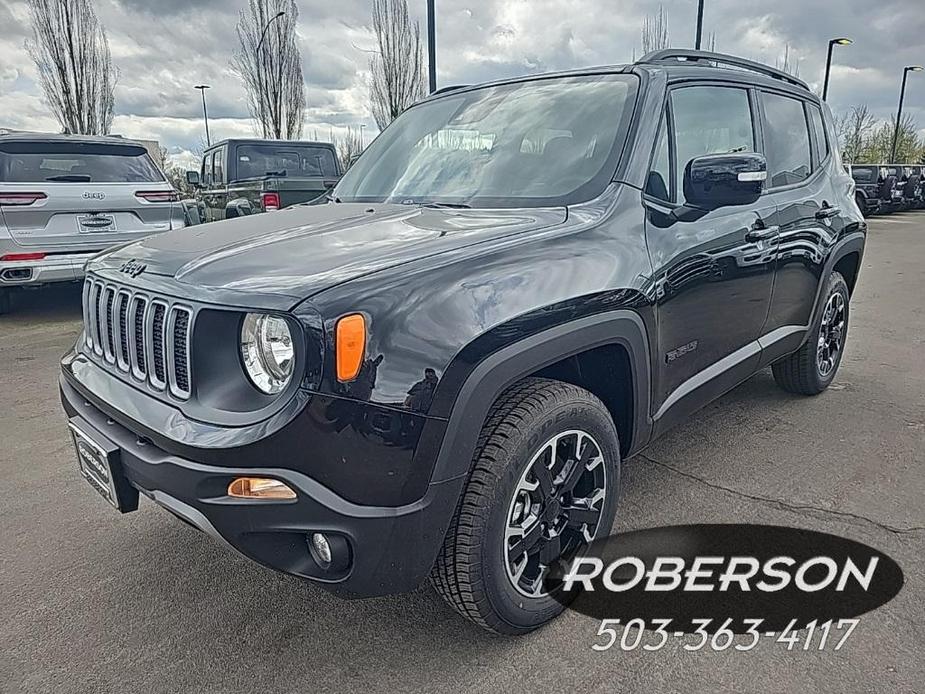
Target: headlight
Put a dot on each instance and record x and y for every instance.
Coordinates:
(267, 350)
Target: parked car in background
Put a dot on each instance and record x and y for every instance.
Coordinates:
(64, 198)
(908, 182)
(242, 177)
(918, 173)
(867, 187)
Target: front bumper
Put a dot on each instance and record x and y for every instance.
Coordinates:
(391, 549)
(66, 267)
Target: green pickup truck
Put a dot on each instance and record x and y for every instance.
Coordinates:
(240, 177)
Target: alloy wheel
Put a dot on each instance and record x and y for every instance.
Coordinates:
(555, 510)
(831, 334)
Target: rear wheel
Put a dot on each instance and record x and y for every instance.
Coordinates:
(812, 368)
(6, 301)
(544, 484)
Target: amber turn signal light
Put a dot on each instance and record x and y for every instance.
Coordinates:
(350, 343)
(259, 488)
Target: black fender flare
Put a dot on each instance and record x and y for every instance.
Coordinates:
(852, 243)
(503, 368)
(235, 204)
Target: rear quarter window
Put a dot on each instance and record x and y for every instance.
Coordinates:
(74, 162)
(863, 174)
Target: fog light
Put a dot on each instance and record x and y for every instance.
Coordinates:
(321, 548)
(259, 488)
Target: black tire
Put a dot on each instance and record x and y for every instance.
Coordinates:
(472, 570)
(805, 371)
(861, 203)
(6, 301)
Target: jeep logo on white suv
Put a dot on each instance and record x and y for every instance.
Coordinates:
(94, 196)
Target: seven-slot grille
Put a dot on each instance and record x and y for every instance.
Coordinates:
(134, 332)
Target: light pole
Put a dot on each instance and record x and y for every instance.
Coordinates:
(828, 62)
(899, 112)
(699, 25)
(362, 140)
(431, 47)
(205, 114)
(263, 35)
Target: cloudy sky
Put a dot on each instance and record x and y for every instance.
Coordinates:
(164, 47)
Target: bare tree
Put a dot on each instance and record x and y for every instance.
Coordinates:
(878, 147)
(398, 64)
(854, 129)
(655, 31)
(349, 147)
(71, 52)
(270, 63)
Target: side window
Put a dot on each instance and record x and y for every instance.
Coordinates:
(821, 150)
(218, 171)
(709, 120)
(660, 174)
(786, 140)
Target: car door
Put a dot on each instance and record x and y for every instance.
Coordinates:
(801, 183)
(219, 183)
(714, 272)
(213, 195)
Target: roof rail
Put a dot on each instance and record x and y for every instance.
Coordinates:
(686, 55)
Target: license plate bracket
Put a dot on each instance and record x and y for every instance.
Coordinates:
(99, 462)
(95, 223)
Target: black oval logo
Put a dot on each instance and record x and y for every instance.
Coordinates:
(719, 572)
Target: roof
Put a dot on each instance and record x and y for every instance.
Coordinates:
(262, 141)
(22, 135)
(678, 64)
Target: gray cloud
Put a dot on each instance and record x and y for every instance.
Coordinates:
(164, 47)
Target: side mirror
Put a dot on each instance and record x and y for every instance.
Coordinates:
(720, 180)
(192, 177)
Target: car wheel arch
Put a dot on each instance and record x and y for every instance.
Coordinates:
(621, 329)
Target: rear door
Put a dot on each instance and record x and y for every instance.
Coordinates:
(86, 193)
(801, 179)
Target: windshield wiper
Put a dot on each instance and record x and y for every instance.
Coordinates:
(448, 205)
(281, 172)
(70, 178)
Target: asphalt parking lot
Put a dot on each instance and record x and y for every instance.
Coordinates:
(143, 603)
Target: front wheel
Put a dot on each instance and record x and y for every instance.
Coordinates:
(544, 483)
(811, 369)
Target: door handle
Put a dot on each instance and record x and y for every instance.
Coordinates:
(762, 233)
(828, 212)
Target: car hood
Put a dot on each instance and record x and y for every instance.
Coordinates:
(301, 251)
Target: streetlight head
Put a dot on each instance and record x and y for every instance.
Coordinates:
(843, 41)
(280, 13)
(915, 68)
(202, 86)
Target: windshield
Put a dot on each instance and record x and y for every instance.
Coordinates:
(255, 161)
(541, 142)
(76, 162)
(864, 174)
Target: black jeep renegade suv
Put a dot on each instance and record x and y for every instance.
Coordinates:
(438, 373)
